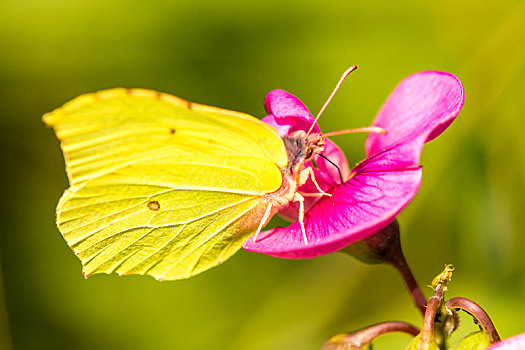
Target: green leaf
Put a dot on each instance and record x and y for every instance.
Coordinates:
(416, 343)
(474, 341)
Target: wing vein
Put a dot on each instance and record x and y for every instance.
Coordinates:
(212, 235)
(151, 226)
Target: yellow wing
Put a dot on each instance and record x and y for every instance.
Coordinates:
(159, 185)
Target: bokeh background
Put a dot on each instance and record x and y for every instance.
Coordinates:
(469, 211)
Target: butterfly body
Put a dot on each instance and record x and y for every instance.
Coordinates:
(300, 148)
(167, 187)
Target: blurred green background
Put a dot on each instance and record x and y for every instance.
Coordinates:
(469, 211)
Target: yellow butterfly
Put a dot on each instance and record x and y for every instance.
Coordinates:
(169, 188)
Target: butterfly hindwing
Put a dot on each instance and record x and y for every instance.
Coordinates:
(151, 229)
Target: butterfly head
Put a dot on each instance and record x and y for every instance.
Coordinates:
(301, 147)
(314, 145)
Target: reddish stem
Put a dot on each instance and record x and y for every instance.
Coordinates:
(364, 336)
(479, 314)
(419, 299)
(427, 333)
(385, 247)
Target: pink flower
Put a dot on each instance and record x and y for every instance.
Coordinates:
(514, 343)
(419, 109)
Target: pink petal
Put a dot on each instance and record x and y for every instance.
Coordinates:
(514, 343)
(283, 104)
(285, 126)
(419, 109)
(287, 113)
(363, 205)
(424, 103)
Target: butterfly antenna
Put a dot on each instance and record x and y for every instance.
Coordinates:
(343, 77)
(371, 129)
(329, 161)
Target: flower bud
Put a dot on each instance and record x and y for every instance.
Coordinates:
(381, 247)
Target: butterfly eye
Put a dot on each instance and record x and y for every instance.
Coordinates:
(309, 152)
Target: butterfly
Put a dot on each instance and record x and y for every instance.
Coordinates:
(170, 188)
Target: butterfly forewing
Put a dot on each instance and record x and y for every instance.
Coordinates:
(160, 186)
(108, 129)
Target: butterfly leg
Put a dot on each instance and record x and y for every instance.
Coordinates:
(310, 194)
(309, 173)
(263, 220)
(299, 198)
